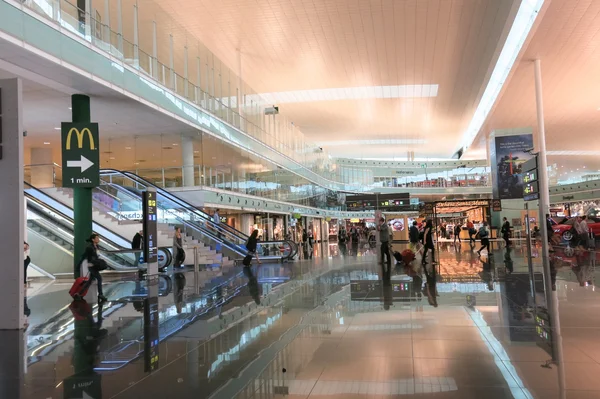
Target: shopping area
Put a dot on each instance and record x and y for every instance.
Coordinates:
(115, 114)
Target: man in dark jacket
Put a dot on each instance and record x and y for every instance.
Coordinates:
(506, 231)
(413, 234)
(137, 243)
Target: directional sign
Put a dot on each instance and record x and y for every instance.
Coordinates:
(80, 154)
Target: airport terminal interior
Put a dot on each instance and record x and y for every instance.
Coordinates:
(256, 199)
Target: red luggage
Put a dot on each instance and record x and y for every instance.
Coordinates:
(408, 256)
(80, 287)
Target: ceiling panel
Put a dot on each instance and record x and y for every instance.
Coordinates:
(288, 45)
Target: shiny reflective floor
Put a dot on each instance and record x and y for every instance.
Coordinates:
(337, 326)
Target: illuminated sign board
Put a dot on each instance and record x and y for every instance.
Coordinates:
(530, 177)
(80, 154)
(531, 191)
(149, 225)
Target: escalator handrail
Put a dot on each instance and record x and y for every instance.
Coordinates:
(233, 246)
(53, 209)
(179, 201)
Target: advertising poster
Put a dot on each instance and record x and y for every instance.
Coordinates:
(507, 155)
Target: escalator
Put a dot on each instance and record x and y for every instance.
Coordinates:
(50, 235)
(173, 211)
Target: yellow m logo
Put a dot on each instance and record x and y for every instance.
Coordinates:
(80, 138)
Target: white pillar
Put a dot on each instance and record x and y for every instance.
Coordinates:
(154, 52)
(187, 154)
(185, 71)
(11, 205)
(42, 170)
(551, 296)
(88, 20)
(172, 63)
(120, 25)
(136, 40)
(106, 33)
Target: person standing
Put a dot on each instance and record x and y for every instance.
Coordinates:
(428, 242)
(485, 239)
(384, 239)
(217, 221)
(342, 238)
(95, 264)
(549, 228)
(27, 261)
(585, 232)
(137, 243)
(505, 230)
(413, 236)
(178, 251)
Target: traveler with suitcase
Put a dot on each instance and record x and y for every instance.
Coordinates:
(95, 265)
(251, 246)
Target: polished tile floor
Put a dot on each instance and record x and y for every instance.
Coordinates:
(330, 327)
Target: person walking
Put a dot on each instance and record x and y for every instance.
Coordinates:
(484, 234)
(384, 239)
(137, 243)
(178, 251)
(95, 264)
(428, 242)
(251, 246)
(505, 230)
(413, 236)
(457, 230)
(472, 231)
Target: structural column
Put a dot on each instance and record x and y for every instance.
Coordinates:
(551, 296)
(11, 205)
(187, 155)
(82, 196)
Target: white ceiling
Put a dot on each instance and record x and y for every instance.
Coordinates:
(291, 45)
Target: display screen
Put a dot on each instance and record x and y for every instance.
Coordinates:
(530, 191)
(530, 176)
(397, 224)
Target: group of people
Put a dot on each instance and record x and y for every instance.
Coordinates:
(581, 236)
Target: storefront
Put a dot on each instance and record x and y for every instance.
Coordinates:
(448, 214)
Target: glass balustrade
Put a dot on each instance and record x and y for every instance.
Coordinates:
(209, 83)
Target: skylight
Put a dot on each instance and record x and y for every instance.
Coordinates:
(371, 142)
(348, 93)
(528, 11)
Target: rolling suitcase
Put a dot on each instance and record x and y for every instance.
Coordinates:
(80, 287)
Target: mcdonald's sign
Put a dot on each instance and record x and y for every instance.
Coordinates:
(80, 154)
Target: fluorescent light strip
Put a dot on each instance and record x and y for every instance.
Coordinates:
(569, 153)
(344, 93)
(371, 142)
(528, 11)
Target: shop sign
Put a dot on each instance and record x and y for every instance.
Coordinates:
(456, 204)
(497, 205)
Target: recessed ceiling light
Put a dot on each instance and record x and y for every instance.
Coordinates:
(111, 158)
(136, 163)
(46, 142)
(214, 157)
(195, 152)
(70, 107)
(175, 144)
(56, 128)
(128, 148)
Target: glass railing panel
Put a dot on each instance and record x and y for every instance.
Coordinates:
(116, 44)
(145, 62)
(129, 52)
(69, 18)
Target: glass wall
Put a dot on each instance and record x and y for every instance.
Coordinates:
(166, 159)
(162, 50)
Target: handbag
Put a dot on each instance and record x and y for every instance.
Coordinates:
(100, 264)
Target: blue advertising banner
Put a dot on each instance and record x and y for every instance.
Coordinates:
(507, 155)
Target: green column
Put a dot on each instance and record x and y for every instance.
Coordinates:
(82, 197)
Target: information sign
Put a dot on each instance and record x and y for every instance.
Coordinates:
(80, 154)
